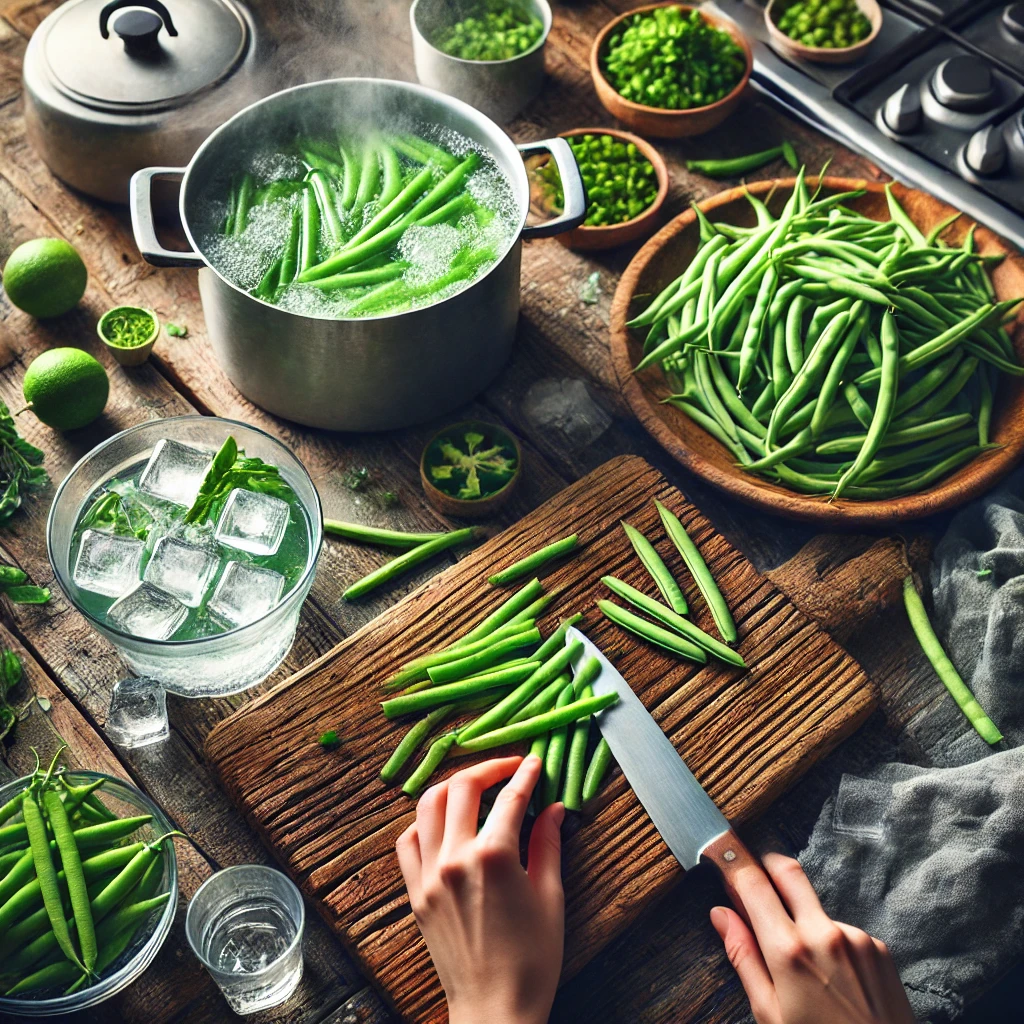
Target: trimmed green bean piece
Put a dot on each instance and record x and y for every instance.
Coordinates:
(944, 668)
(328, 212)
(473, 664)
(391, 174)
(380, 537)
(576, 763)
(535, 610)
(682, 626)
(555, 754)
(701, 574)
(420, 701)
(527, 566)
(530, 727)
(407, 561)
(659, 572)
(507, 610)
(543, 701)
(413, 739)
(369, 177)
(431, 761)
(600, 761)
(655, 634)
(310, 236)
(290, 257)
(556, 641)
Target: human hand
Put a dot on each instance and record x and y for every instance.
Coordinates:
(494, 931)
(798, 966)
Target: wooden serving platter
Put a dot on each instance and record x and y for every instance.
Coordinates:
(747, 735)
(670, 251)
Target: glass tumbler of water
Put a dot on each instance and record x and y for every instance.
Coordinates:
(245, 925)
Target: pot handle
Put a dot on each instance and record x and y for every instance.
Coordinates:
(141, 205)
(572, 188)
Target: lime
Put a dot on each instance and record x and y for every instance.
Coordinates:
(66, 388)
(45, 277)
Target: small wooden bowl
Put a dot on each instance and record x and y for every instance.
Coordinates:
(471, 508)
(137, 354)
(666, 254)
(823, 54)
(658, 121)
(607, 236)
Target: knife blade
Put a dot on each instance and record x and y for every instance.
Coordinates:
(693, 828)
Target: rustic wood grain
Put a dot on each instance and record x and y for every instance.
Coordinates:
(661, 260)
(746, 735)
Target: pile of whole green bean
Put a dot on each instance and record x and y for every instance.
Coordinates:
(347, 218)
(673, 60)
(490, 30)
(74, 889)
(831, 353)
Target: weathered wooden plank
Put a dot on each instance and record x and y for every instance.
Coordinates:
(745, 734)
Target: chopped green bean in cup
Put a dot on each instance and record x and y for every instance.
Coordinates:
(833, 354)
(824, 24)
(357, 222)
(672, 59)
(620, 181)
(490, 30)
(128, 326)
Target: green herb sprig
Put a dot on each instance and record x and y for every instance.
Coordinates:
(21, 467)
(12, 584)
(472, 471)
(10, 676)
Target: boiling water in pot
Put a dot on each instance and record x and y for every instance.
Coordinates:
(360, 221)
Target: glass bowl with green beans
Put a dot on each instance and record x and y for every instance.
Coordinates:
(489, 53)
(626, 181)
(670, 70)
(823, 31)
(470, 469)
(127, 875)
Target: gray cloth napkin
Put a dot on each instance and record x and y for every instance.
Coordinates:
(931, 860)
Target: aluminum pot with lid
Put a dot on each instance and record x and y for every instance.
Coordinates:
(113, 87)
(358, 373)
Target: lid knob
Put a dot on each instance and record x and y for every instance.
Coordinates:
(138, 29)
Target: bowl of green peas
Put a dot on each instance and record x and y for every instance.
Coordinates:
(489, 53)
(102, 894)
(626, 181)
(670, 70)
(823, 31)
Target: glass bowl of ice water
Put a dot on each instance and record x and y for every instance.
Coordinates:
(191, 553)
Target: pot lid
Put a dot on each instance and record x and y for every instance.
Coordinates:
(131, 56)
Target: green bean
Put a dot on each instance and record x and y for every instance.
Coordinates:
(509, 674)
(987, 356)
(801, 442)
(473, 664)
(422, 152)
(539, 746)
(406, 561)
(596, 770)
(732, 167)
(794, 337)
(556, 641)
(555, 754)
(682, 626)
(350, 182)
(535, 610)
(16, 833)
(369, 177)
(659, 572)
(709, 424)
(9, 860)
(669, 296)
(526, 566)
(74, 878)
(46, 876)
(653, 633)
(730, 399)
(575, 767)
(394, 209)
(944, 668)
(12, 807)
(984, 406)
(894, 438)
(244, 203)
(433, 758)
(290, 257)
(919, 481)
(509, 705)
(507, 610)
(900, 217)
(939, 399)
(271, 279)
(391, 175)
(380, 537)
(543, 701)
(833, 378)
(117, 889)
(886, 464)
(413, 739)
(453, 210)
(884, 406)
(327, 211)
(755, 329)
(764, 216)
(709, 394)
(530, 727)
(310, 234)
(762, 406)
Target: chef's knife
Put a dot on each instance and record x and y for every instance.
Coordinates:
(693, 828)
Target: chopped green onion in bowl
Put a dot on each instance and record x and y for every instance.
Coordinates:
(128, 326)
(824, 24)
(490, 30)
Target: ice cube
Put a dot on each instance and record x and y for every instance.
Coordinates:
(245, 593)
(107, 564)
(564, 407)
(180, 569)
(253, 522)
(147, 612)
(138, 713)
(175, 471)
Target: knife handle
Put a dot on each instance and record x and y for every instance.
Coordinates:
(730, 856)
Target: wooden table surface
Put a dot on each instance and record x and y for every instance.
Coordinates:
(669, 965)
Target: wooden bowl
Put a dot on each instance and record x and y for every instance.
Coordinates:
(657, 121)
(665, 255)
(822, 54)
(607, 236)
(471, 508)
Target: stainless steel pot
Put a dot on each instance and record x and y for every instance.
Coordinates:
(112, 87)
(368, 373)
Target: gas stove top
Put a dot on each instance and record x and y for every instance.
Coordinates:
(937, 101)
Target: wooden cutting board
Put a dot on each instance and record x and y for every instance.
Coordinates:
(747, 735)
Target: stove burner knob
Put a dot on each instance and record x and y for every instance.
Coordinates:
(986, 152)
(964, 83)
(902, 110)
(1013, 21)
